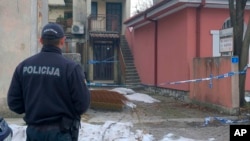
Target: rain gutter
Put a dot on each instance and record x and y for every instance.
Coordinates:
(198, 27)
(155, 47)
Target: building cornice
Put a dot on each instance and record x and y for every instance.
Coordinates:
(168, 7)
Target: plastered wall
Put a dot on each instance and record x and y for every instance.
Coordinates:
(19, 38)
(221, 91)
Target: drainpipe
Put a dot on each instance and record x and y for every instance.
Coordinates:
(155, 48)
(198, 27)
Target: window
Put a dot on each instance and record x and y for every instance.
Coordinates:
(227, 24)
(68, 15)
(94, 10)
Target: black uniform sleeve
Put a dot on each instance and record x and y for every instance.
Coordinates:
(79, 91)
(15, 94)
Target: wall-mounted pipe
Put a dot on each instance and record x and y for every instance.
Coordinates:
(155, 48)
(198, 27)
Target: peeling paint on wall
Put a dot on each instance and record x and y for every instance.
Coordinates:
(15, 17)
(19, 36)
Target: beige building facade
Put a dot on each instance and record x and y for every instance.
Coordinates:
(22, 21)
(89, 17)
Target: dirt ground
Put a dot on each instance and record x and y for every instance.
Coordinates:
(182, 119)
(168, 116)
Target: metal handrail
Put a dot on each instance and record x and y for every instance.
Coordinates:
(103, 23)
(122, 65)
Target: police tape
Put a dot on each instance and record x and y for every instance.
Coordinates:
(105, 85)
(225, 120)
(108, 60)
(221, 76)
(100, 62)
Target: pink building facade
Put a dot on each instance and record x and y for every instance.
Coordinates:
(167, 37)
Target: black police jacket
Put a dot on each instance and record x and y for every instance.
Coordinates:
(47, 87)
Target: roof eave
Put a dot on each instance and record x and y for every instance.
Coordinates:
(168, 7)
(154, 11)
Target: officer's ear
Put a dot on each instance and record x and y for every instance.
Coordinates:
(62, 40)
(41, 40)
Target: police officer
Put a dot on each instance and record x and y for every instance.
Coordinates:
(50, 90)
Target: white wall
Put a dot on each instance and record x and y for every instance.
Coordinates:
(216, 42)
(19, 37)
(15, 38)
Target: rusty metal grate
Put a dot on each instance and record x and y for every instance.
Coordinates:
(107, 100)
